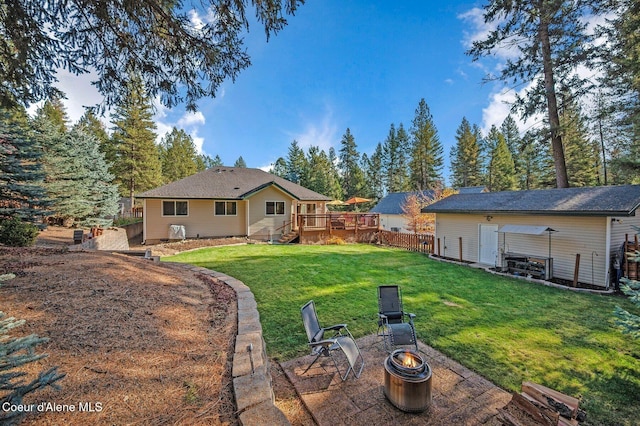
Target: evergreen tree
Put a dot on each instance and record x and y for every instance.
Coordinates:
(531, 154)
(240, 163)
(552, 42)
(628, 322)
(16, 352)
(580, 152)
(396, 159)
(465, 157)
(77, 178)
(373, 172)
(179, 156)
(156, 39)
(426, 150)
(94, 175)
(137, 165)
(511, 134)
(279, 168)
(502, 167)
(321, 179)
(22, 192)
(296, 164)
(92, 125)
(55, 113)
(351, 175)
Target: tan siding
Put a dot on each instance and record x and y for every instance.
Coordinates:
(201, 221)
(451, 227)
(388, 221)
(262, 226)
(584, 235)
(622, 228)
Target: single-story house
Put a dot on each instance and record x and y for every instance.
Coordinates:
(224, 202)
(390, 210)
(543, 227)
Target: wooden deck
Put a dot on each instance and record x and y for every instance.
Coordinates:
(350, 227)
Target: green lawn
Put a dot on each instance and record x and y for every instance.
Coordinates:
(505, 329)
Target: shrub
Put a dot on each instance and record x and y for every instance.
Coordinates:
(16, 233)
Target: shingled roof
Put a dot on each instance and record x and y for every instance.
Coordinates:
(620, 200)
(229, 183)
(392, 203)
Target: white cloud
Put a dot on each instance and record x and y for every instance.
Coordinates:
(480, 30)
(500, 106)
(321, 134)
(191, 119)
(189, 122)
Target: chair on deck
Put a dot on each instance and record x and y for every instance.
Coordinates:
(340, 340)
(391, 319)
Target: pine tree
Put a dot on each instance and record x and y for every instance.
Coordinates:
(15, 352)
(532, 154)
(374, 177)
(465, 157)
(178, 155)
(95, 176)
(551, 41)
(511, 134)
(297, 166)
(426, 150)
(580, 152)
(279, 168)
(137, 164)
(351, 175)
(22, 192)
(396, 159)
(92, 125)
(56, 114)
(321, 179)
(78, 181)
(627, 321)
(502, 167)
(240, 163)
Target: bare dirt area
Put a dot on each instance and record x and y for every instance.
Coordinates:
(151, 343)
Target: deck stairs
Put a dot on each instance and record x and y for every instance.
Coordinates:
(289, 237)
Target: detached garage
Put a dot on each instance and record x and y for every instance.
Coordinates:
(541, 233)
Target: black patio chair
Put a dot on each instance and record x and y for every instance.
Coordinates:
(391, 319)
(340, 339)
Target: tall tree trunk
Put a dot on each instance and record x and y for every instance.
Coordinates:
(562, 179)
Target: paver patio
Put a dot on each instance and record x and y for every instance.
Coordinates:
(459, 396)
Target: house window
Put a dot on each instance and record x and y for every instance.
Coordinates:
(175, 208)
(225, 208)
(275, 208)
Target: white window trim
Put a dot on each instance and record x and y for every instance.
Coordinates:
(225, 207)
(284, 208)
(174, 209)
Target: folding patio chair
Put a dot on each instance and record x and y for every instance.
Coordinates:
(391, 319)
(340, 340)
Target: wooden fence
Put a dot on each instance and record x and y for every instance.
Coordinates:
(423, 243)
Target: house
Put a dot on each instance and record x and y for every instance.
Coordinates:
(390, 210)
(565, 230)
(227, 201)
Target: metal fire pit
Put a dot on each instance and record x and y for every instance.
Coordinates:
(407, 381)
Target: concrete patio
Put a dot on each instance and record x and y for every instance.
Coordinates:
(459, 396)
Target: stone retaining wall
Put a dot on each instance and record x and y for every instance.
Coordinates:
(111, 239)
(252, 383)
(133, 229)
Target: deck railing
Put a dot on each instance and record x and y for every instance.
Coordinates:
(338, 221)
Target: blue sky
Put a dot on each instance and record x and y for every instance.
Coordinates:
(360, 64)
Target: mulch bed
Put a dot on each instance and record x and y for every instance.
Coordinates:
(147, 343)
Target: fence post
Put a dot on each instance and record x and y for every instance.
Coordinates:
(460, 246)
